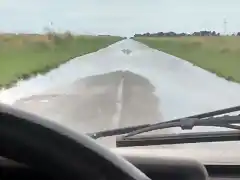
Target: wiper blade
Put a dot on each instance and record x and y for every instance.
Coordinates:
(186, 123)
(182, 138)
(120, 131)
(117, 131)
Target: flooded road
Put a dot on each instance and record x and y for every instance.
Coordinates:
(122, 85)
(93, 103)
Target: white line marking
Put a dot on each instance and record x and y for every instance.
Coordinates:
(117, 116)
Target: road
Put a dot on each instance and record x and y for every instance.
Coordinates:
(124, 84)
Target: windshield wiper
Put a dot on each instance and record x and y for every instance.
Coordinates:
(133, 130)
(188, 124)
(226, 121)
(117, 131)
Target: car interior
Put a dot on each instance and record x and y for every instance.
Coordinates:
(33, 149)
(160, 168)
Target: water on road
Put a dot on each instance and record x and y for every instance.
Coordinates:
(124, 84)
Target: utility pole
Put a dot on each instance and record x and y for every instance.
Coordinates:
(50, 26)
(225, 26)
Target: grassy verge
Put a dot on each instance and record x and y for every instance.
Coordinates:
(25, 55)
(220, 55)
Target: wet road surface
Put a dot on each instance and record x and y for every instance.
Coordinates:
(95, 100)
(125, 84)
(112, 100)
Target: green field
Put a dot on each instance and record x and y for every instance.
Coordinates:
(25, 55)
(220, 55)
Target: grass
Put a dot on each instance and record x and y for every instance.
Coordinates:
(25, 55)
(219, 55)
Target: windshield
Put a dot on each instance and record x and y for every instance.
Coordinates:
(99, 65)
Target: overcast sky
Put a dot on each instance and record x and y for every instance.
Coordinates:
(123, 17)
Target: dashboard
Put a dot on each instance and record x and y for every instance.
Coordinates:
(157, 168)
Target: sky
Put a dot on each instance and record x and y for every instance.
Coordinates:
(125, 17)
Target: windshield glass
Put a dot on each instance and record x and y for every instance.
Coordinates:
(94, 65)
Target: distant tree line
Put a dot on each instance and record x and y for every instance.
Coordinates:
(174, 34)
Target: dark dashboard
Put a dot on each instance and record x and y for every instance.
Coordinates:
(157, 168)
